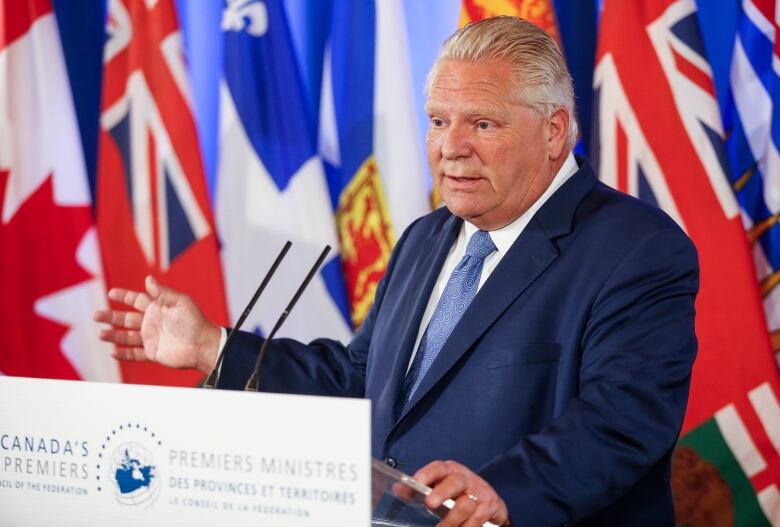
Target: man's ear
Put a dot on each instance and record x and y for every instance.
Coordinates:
(557, 132)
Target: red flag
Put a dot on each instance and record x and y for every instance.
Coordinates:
(154, 215)
(50, 272)
(661, 139)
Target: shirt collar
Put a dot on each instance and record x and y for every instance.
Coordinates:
(504, 237)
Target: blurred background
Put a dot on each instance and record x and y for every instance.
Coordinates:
(189, 139)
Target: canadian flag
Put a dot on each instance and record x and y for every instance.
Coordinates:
(50, 268)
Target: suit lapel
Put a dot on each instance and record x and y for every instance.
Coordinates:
(528, 257)
(412, 305)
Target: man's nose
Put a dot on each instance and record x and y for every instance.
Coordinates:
(455, 143)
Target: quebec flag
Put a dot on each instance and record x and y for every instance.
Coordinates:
(271, 185)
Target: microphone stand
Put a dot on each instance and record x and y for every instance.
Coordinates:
(213, 379)
(252, 384)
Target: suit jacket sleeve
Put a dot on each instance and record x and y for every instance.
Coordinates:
(637, 352)
(322, 367)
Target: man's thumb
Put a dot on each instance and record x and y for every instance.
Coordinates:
(165, 295)
(152, 287)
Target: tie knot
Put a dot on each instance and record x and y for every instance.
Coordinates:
(480, 245)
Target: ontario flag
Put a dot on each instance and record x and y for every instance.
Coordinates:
(153, 211)
(50, 270)
(660, 137)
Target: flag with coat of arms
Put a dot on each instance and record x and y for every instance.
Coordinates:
(660, 137)
(329, 170)
(752, 119)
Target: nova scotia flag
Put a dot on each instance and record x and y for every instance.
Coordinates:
(270, 182)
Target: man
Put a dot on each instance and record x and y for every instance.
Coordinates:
(539, 330)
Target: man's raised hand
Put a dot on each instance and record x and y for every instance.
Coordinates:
(163, 325)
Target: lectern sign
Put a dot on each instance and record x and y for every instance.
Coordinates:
(79, 453)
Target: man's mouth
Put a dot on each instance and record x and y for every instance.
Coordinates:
(462, 182)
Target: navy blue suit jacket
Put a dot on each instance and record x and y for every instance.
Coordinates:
(565, 382)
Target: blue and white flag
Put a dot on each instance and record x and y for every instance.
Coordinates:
(753, 116)
(270, 181)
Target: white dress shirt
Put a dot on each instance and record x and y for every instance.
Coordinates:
(503, 239)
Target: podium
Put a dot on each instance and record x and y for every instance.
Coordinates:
(83, 453)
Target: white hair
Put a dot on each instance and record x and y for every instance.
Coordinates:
(539, 70)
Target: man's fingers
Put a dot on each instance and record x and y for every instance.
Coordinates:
(403, 492)
(462, 511)
(121, 337)
(135, 299)
(453, 486)
(433, 472)
(451, 480)
(128, 353)
(125, 319)
(102, 315)
(484, 512)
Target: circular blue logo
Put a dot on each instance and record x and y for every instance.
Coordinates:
(134, 474)
(127, 467)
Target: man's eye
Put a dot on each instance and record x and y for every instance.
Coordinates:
(483, 125)
(437, 122)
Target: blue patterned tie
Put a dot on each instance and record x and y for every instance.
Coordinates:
(460, 290)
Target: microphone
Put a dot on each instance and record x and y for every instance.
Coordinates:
(253, 383)
(213, 379)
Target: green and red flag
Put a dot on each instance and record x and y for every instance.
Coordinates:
(660, 137)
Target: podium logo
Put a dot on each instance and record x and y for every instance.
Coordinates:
(126, 465)
(135, 477)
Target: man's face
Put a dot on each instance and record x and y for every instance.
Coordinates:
(491, 157)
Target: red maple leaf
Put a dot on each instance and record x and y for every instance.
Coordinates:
(37, 258)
